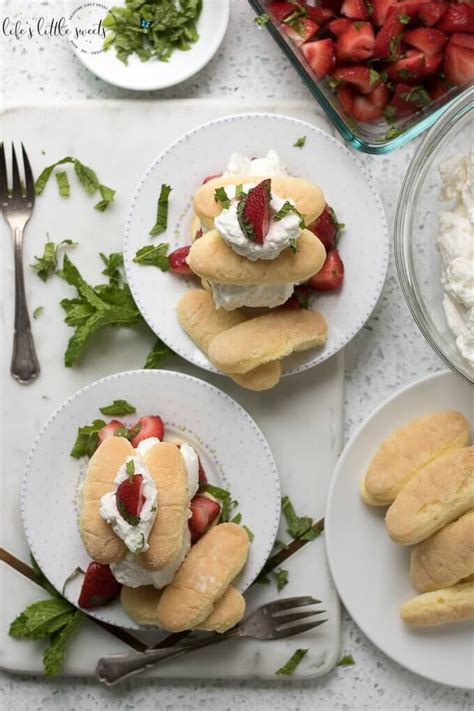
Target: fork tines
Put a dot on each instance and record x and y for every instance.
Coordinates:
(18, 191)
(283, 624)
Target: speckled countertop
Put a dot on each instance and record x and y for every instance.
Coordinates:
(388, 353)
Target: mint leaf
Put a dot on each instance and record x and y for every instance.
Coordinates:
(118, 407)
(346, 661)
(293, 244)
(113, 265)
(130, 467)
(224, 497)
(87, 440)
(157, 355)
(221, 196)
(87, 177)
(290, 666)
(40, 619)
(38, 311)
(250, 533)
(63, 183)
(53, 656)
(286, 209)
(262, 20)
(107, 195)
(404, 19)
(45, 175)
(281, 578)
(299, 143)
(297, 525)
(161, 223)
(154, 256)
(46, 265)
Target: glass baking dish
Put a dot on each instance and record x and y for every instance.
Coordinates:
(378, 137)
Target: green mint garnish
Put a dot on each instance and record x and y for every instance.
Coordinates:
(281, 578)
(86, 176)
(154, 256)
(262, 20)
(87, 440)
(404, 19)
(130, 467)
(357, 25)
(346, 661)
(122, 509)
(285, 210)
(250, 533)
(290, 666)
(38, 311)
(122, 432)
(293, 244)
(157, 355)
(161, 223)
(63, 183)
(118, 407)
(373, 77)
(299, 143)
(46, 265)
(239, 191)
(418, 95)
(221, 196)
(107, 195)
(403, 73)
(113, 267)
(298, 526)
(237, 518)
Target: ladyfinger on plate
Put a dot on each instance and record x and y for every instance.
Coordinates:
(409, 449)
(454, 604)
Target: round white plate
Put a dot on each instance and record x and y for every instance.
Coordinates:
(138, 75)
(323, 160)
(234, 454)
(370, 571)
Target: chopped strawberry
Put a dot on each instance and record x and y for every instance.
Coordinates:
(364, 110)
(147, 426)
(462, 39)
(303, 32)
(199, 233)
(99, 587)
(427, 40)
(436, 87)
(326, 227)
(334, 5)
(292, 304)
(302, 293)
(380, 95)
(110, 429)
(457, 18)
(433, 64)
(355, 9)
(129, 498)
(407, 99)
(380, 11)
(211, 177)
(356, 44)
(331, 275)
(178, 260)
(320, 55)
(363, 78)
(410, 69)
(345, 94)
(321, 15)
(431, 12)
(253, 212)
(458, 64)
(339, 25)
(280, 10)
(387, 41)
(202, 475)
(204, 511)
(408, 8)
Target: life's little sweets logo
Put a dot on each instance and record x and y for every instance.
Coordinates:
(88, 32)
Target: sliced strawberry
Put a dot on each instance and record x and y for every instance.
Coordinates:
(410, 69)
(211, 177)
(432, 64)
(408, 8)
(356, 44)
(199, 233)
(355, 9)
(457, 18)
(462, 39)
(326, 227)
(436, 87)
(147, 426)
(331, 275)
(380, 11)
(99, 587)
(345, 94)
(408, 99)
(387, 41)
(302, 293)
(291, 304)
(363, 78)
(253, 212)
(334, 5)
(305, 29)
(458, 64)
(129, 498)
(364, 110)
(339, 25)
(178, 260)
(110, 429)
(321, 15)
(280, 10)
(320, 55)
(431, 12)
(427, 40)
(204, 511)
(380, 95)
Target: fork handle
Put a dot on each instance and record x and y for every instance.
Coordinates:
(114, 668)
(24, 365)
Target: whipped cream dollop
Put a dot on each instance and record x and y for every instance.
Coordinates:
(456, 247)
(233, 296)
(268, 166)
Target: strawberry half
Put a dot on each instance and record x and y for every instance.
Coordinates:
(457, 18)
(178, 263)
(431, 12)
(363, 78)
(204, 511)
(339, 25)
(410, 69)
(326, 227)
(355, 9)
(147, 426)
(356, 43)
(387, 41)
(305, 30)
(380, 10)
(99, 587)
(458, 63)
(320, 56)
(280, 10)
(427, 40)
(253, 212)
(321, 15)
(110, 429)
(331, 275)
(129, 499)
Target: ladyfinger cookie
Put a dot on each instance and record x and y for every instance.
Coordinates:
(454, 604)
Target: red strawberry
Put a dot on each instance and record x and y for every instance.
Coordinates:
(204, 511)
(129, 498)
(321, 15)
(320, 56)
(345, 94)
(178, 263)
(355, 9)
(381, 8)
(253, 212)
(330, 277)
(280, 10)
(356, 44)
(339, 25)
(407, 99)
(457, 18)
(326, 227)
(291, 304)
(306, 29)
(302, 294)
(199, 233)
(431, 12)
(202, 475)
(380, 95)
(110, 429)
(432, 64)
(333, 5)
(462, 39)
(364, 110)
(458, 64)
(408, 8)
(363, 78)
(436, 87)
(387, 41)
(147, 426)
(99, 587)
(429, 41)
(410, 69)
(211, 177)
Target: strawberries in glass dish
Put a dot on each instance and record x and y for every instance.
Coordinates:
(427, 46)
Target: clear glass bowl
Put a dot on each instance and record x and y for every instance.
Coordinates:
(378, 137)
(416, 229)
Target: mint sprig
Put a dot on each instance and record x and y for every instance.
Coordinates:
(161, 223)
(87, 439)
(86, 176)
(47, 264)
(154, 256)
(118, 407)
(288, 669)
(157, 355)
(297, 525)
(286, 209)
(221, 196)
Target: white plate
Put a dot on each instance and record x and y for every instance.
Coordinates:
(369, 570)
(153, 74)
(234, 454)
(323, 160)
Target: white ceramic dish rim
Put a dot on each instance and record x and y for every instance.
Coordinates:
(303, 125)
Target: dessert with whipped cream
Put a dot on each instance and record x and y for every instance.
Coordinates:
(145, 502)
(455, 244)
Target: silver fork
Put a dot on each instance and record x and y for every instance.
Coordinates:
(264, 623)
(17, 206)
